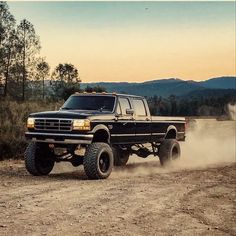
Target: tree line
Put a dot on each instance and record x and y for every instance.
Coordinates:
(24, 74)
(191, 106)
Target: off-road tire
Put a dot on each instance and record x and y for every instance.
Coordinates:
(120, 157)
(169, 150)
(98, 161)
(38, 159)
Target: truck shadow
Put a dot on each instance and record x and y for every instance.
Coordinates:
(80, 174)
(20, 173)
(72, 173)
(147, 164)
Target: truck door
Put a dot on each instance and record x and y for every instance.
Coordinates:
(124, 126)
(142, 119)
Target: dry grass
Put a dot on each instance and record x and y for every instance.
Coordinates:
(13, 116)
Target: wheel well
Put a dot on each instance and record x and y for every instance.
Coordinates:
(171, 134)
(101, 136)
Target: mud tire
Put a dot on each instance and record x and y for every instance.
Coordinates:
(98, 161)
(168, 151)
(38, 159)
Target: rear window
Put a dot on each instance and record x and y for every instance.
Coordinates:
(139, 107)
(124, 104)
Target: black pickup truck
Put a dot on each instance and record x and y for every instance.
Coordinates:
(100, 131)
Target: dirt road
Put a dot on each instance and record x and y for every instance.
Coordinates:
(186, 202)
(141, 199)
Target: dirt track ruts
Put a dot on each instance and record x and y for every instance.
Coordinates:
(184, 202)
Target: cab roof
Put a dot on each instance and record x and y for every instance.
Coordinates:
(106, 94)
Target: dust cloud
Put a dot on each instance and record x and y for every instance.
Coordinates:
(232, 111)
(209, 143)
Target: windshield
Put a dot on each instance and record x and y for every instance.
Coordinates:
(100, 103)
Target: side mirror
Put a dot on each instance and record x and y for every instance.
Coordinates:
(130, 111)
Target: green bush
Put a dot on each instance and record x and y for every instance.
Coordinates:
(13, 116)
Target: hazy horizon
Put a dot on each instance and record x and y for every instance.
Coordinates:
(135, 41)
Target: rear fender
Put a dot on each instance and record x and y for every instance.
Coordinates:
(171, 132)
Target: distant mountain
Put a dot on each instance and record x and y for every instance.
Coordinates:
(167, 87)
(227, 82)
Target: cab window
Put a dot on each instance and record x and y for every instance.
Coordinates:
(124, 104)
(139, 107)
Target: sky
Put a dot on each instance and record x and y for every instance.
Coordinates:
(135, 41)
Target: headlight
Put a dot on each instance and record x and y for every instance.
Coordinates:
(30, 123)
(81, 124)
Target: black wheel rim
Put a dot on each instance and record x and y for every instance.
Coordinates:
(104, 162)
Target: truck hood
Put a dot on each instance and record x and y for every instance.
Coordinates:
(70, 114)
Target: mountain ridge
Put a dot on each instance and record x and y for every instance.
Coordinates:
(167, 87)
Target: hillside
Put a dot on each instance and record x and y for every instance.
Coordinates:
(166, 87)
(220, 83)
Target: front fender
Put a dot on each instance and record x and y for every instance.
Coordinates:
(100, 127)
(101, 133)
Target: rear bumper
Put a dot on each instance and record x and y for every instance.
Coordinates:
(59, 138)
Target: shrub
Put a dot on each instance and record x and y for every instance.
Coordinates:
(13, 116)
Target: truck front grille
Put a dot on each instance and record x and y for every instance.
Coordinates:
(53, 124)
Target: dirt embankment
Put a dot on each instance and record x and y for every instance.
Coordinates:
(194, 196)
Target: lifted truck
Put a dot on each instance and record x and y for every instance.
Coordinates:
(99, 131)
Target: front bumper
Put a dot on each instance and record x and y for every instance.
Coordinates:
(59, 138)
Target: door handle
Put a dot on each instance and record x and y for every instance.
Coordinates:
(148, 119)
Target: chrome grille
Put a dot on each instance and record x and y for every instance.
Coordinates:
(53, 124)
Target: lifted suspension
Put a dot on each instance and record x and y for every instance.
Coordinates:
(144, 152)
(67, 155)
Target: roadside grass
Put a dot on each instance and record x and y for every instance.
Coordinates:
(13, 116)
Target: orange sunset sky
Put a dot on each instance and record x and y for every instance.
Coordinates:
(135, 41)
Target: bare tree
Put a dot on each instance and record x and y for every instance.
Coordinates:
(7, 41)
(30, 45)
(42, 73)
(7, 22)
